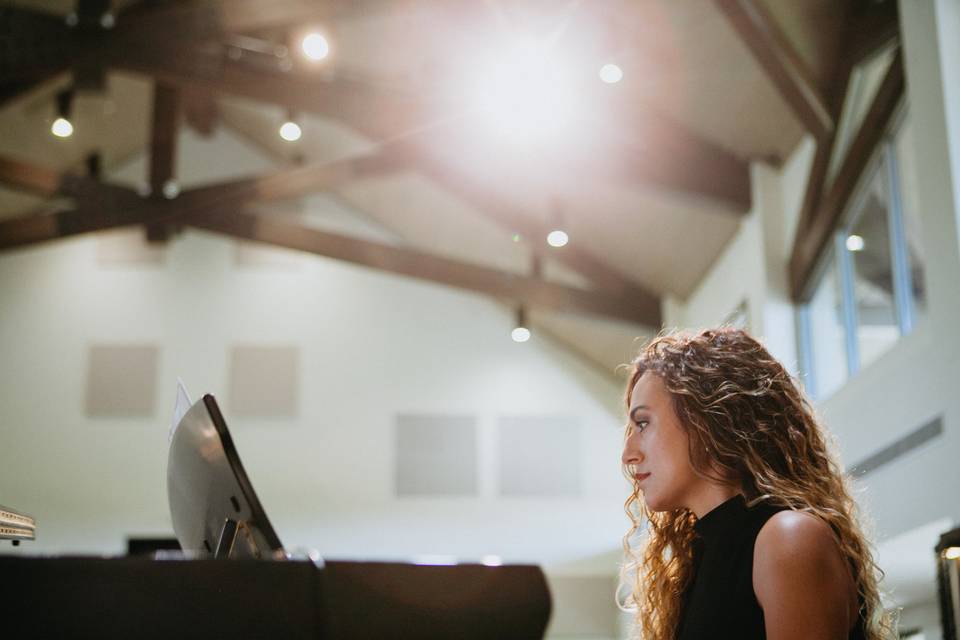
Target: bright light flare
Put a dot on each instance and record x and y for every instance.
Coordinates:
(61, 128)
(315, 46)
(611, 73)
(854, 243)
(951, 553)
(520, 334)
(290, 131)
(557, 238)
(525, 93)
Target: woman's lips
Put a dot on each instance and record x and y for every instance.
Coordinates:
(641, 476)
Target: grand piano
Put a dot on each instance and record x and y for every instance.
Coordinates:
(235, 580)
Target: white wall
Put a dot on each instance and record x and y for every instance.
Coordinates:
(752, 268)
(372, 345)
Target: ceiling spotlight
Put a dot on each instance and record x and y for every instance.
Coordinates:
(611, 73)
(171, 189)
(290, 131)
(854, 243)
(520, 332)
(61, 128)
(315, 46)
(557, 238)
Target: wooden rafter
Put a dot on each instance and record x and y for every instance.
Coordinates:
(773, 50)
(682, 162)
(872, 26)
(163, 149)
(869, 28)
(516, 288)
(214, 18)
(812, 242)
(221, 208)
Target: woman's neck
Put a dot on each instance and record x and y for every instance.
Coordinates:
(711, 497)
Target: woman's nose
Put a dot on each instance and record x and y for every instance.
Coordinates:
(631, 452)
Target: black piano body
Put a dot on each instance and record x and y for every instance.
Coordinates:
(126, 597)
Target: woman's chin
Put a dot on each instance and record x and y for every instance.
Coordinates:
(656, 504)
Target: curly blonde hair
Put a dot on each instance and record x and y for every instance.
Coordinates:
(737, 401)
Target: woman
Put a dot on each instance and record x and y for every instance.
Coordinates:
(751, 530)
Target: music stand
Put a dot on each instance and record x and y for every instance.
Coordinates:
(214, 508)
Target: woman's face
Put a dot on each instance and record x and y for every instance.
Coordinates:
(657, 449)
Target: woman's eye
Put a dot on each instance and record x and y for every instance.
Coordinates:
(640, 425)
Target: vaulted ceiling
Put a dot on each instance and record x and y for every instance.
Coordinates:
(649, 176)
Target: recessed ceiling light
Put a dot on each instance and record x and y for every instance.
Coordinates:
(290, 131)
(611, 73)
(557, 238)
(520, 334)
(316, 47)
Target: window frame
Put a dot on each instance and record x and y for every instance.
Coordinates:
(883, 159)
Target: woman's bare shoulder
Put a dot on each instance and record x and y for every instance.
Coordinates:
(800, 577)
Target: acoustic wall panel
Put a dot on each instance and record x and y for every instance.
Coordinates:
(264, 381)
(539, 456)
(436, 455)
(121, 380)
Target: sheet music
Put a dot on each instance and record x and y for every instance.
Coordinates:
(180, 407)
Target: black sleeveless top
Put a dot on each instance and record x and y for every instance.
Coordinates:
(720, 601)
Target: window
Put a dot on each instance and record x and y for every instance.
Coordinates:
(904, 166)
(867, 246)
(871, 289)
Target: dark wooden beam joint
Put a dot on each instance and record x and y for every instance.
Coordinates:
(163, 153)
(773, 50)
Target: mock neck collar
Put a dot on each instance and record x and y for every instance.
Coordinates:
(722, 517)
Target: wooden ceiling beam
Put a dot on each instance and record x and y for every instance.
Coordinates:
(669, 157)
(163, 150)
(209, 209)
(35, 45)
(507, 216)
(517, 288)
(871, 26)
(812, 242)
(781, 62)
(91, 215)
(216, 18)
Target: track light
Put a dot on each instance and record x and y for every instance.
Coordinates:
(62, 127)
(557, 237)
(520, 331)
